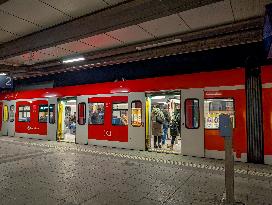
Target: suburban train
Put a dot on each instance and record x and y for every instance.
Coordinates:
(118, 114)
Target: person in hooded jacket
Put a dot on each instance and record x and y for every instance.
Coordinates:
(157, 118)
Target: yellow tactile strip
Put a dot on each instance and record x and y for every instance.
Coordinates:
(134, 157)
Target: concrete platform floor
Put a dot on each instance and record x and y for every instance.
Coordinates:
(42, 172)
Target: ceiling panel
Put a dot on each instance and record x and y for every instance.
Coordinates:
(77, 47)
(210, 15)
(131, 34)
(5, 36)
(243, 9)
(102, 41)
(165, 26)
(49, 54)
(15, 25)
(35, 11)
(17, 60)
(77, 8)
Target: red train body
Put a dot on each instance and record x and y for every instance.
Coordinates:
(217, 84)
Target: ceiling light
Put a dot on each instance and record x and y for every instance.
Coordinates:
(71, 101)
(158, 44)
(73, 60)
(3, 74)
(157, 97)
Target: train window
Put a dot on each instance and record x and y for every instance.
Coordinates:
(11, 113)
(120, 113)
(6, 113)
(214, 107)
(96, 113)
(52, 114)
(136, 113)
(43, 113)
(24, 113)
(192, 113)
(81, 113)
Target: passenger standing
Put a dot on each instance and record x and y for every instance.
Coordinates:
(166, 123)
(175, 127)
(157, 121)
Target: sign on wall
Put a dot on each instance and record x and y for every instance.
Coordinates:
(6, 81)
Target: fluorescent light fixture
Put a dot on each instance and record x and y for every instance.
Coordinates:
(71, 101)
(164, 43)
(3, 74)
(157, 97)
(73, 60)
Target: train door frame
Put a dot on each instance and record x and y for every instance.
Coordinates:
(149, 102)
(192, 139)
(82, 120)
(52, 122)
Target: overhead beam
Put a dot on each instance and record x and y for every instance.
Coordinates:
(3, 1)
(243, 32)
(129, 13)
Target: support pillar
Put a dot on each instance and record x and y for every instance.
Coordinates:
(254, 112)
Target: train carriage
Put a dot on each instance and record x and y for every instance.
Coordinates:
(118, 114)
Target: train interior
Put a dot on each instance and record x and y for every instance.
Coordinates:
(164, 122)
(67, 120)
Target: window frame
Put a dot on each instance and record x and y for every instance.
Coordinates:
(47, 113)
(185, 113)
(84, 119)
(104, 112)
(118, 102)
(221, 98)
(24, 111)
(135, 101)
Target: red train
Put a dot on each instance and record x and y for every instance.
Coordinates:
(118, 114)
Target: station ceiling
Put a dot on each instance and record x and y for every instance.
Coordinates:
(36, 35)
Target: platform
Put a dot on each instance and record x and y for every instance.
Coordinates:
(42, 172)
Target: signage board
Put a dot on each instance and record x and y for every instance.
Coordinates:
(6, 81)
(225, 125)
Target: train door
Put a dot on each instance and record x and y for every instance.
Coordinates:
(192, 122)
(11, 120)
(5, 118)
(163, 121)
(82, 124)
(66, 123)
(136, 120)
(52, 119)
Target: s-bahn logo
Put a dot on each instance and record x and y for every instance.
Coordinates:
(32, 128)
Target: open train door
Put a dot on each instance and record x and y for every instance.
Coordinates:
(136, 120)
(82, 123)
(192, 122)
(52, 119)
